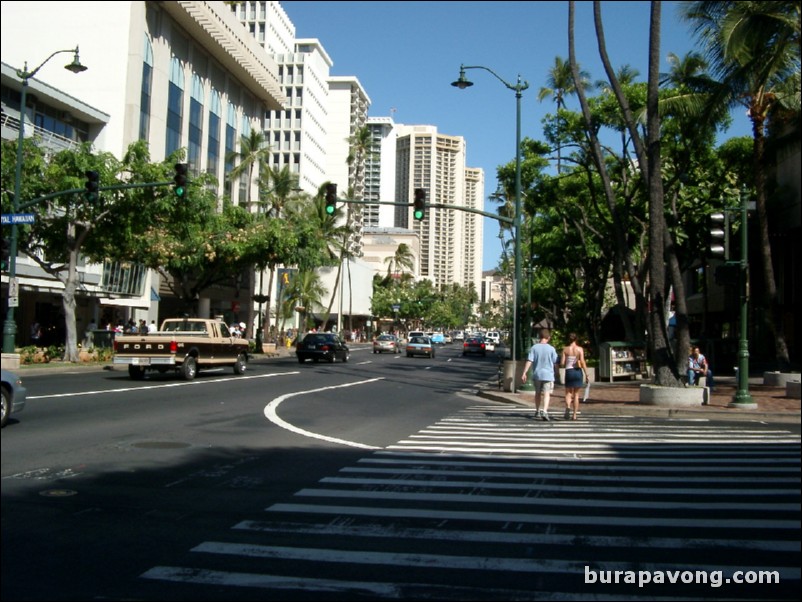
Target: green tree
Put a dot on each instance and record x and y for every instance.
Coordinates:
(753, 49)
(561, 83)
(402, 259)
(277, 186)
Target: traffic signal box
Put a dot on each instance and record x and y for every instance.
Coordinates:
(92, 186)
(419, 204)
(331, 198)
(180, 179)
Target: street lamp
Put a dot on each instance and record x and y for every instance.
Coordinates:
(10, 326)
(742, 398)
(518, 88)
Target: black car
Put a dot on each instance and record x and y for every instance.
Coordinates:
(318, 346)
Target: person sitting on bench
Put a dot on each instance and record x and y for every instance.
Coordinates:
(699, 367)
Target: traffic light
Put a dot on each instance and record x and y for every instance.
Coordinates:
(419, 211)
(331, 198)
(180, 179)
(719, 240)
(92, 186)
(5, 254)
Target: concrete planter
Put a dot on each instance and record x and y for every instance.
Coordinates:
(512, 370)
(678, 397)
(779, 379)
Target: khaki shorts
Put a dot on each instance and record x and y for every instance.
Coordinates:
(544, 386)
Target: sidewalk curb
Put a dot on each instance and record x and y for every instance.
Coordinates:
(630, 408)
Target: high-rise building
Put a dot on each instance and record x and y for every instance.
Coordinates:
(380, 174)
(450, 239)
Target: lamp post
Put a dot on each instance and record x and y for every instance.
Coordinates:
(518, 88)
(10, 326)
(742, 398)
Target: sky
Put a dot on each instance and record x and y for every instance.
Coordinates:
(406, 54)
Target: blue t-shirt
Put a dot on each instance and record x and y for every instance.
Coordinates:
(543, 357)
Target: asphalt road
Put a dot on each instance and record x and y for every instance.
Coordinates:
(382, 478)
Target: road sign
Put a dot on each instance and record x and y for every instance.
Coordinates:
(18, 218)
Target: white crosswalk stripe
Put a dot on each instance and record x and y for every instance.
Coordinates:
(493, 504)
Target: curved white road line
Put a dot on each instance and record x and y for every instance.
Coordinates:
(272, 416)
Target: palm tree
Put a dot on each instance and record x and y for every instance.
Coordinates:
(402, 258)
(305, 291)
(561, 83)
(360, 147)
(276, 187)
(252, 150)
(754, 53)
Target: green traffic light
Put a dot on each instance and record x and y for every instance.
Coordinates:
(179, 191)
(330, 209)
(418, 214)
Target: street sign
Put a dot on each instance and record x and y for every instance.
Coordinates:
(18, 218)
(396, 307)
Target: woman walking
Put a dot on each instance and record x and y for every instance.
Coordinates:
(576, 375)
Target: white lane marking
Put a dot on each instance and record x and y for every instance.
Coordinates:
(272, 415)
(159, 386)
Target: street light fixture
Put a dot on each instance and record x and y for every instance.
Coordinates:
(742, 398)
(10, 326)
(518, 88)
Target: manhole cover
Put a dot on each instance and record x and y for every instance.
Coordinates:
(161, 444)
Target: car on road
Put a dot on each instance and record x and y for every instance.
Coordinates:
(438, 338)
(14, 394)
(420, 345)
(386, 343)
(317, 346)
(493, 336)
(474, 345)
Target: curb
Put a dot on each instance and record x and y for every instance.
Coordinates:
(630, 408)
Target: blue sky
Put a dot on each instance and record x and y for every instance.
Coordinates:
(406, 54)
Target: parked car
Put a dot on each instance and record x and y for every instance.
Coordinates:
(420, 345)
(318, 346)
(14, 394)
(449, 339)
(474, 345)
(386, 343)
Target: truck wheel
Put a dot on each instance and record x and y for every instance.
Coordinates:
(136, 372)
(240, 365)
(189, 369)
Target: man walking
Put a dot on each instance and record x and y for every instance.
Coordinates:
(543, 360)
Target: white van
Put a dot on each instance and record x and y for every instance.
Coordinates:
(494, 337)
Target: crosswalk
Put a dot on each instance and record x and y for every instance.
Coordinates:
(494, 504)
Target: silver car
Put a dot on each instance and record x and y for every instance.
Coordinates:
(13, 395)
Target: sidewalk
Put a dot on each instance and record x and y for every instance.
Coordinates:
(623, 397)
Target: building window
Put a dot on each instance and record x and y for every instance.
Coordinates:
(213, 142)
(175, 101)
(195, 124)
(146, 92)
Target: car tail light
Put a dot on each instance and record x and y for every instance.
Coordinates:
(173, 347)
(325, 348)
(483, 345)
